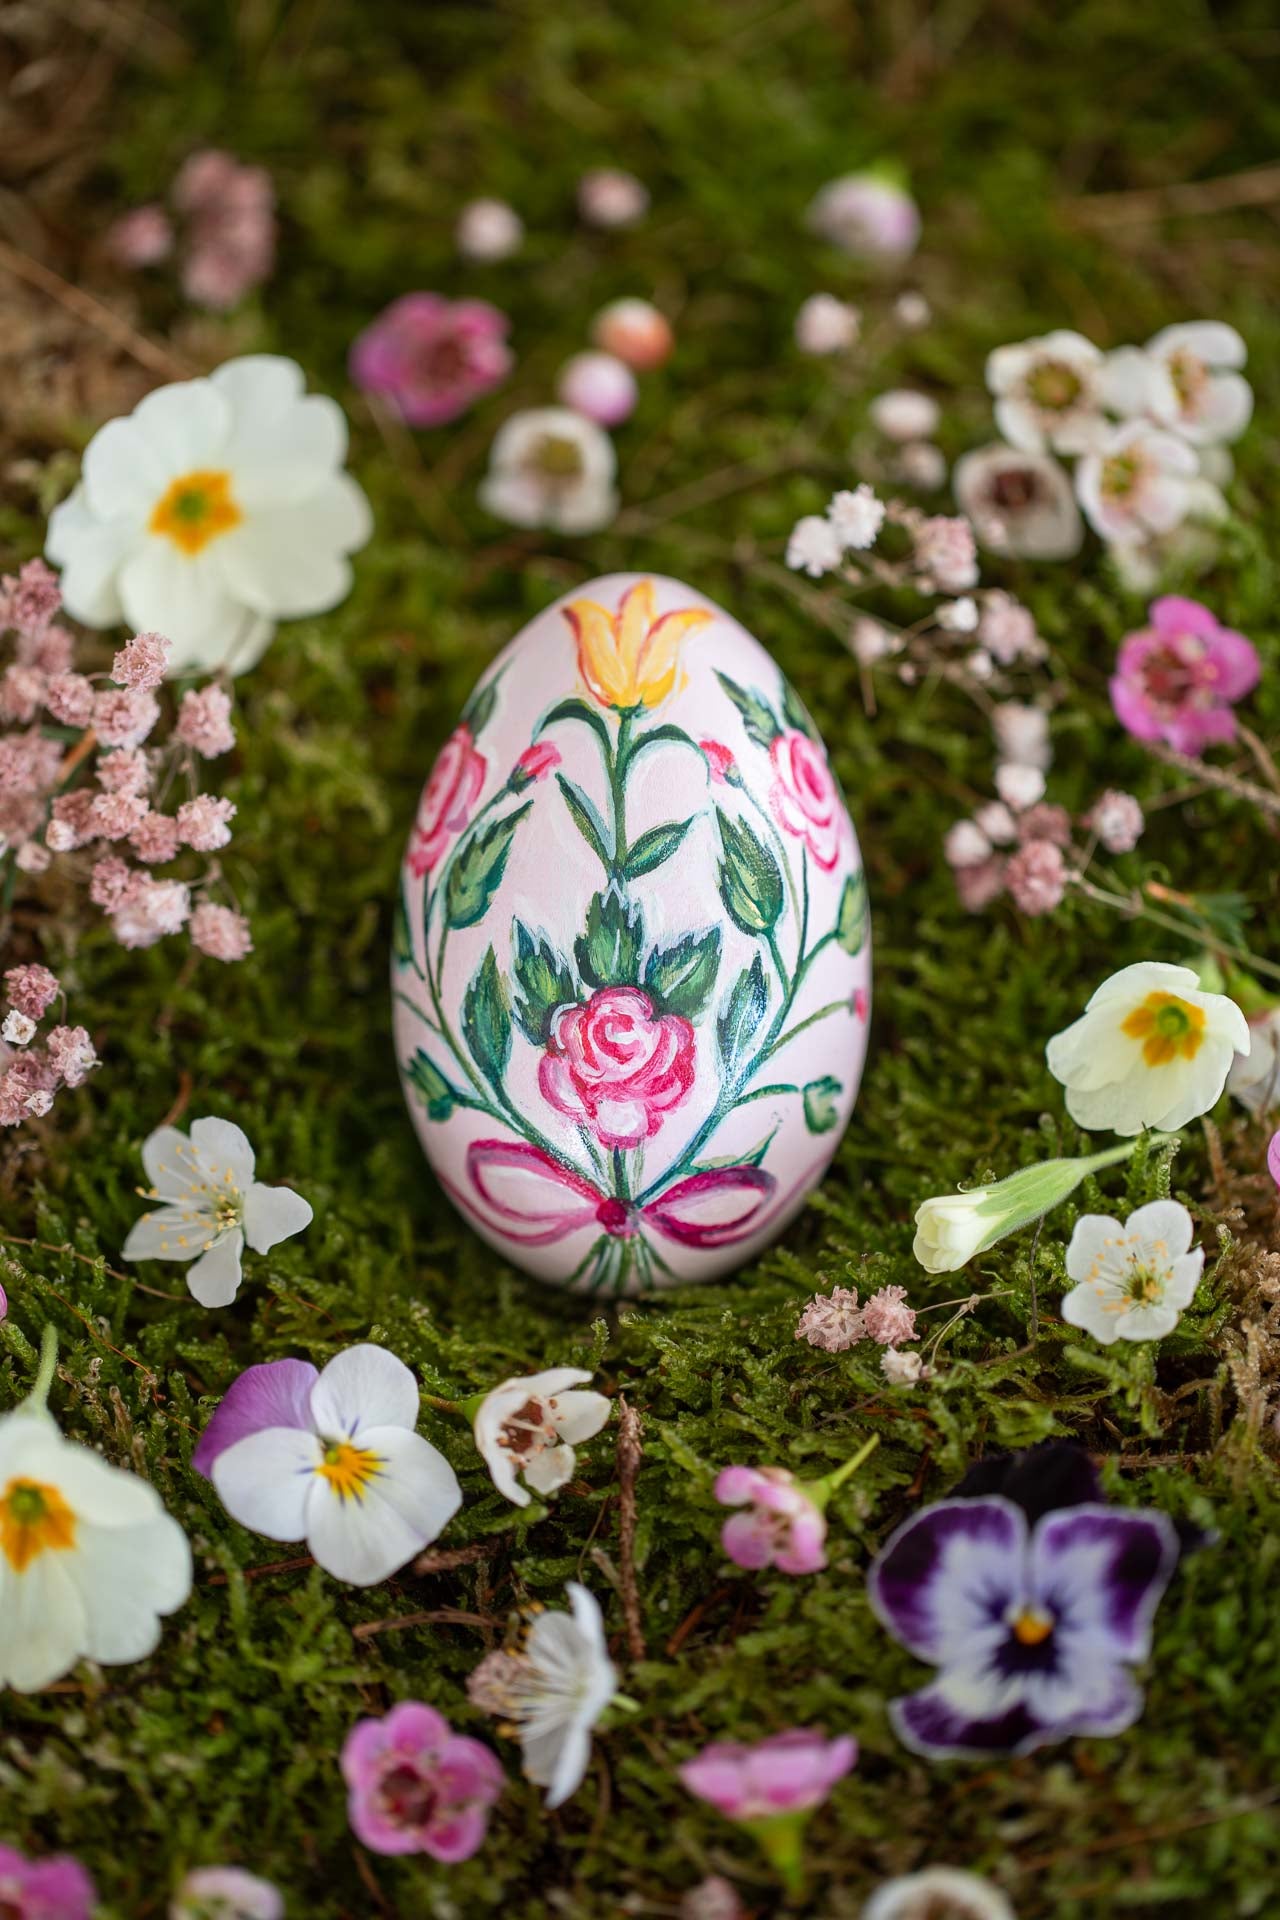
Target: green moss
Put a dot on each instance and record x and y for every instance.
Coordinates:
(377, 122)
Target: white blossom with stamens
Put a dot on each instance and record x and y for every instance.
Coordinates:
(531, 1424)
(555, 1688)
(212, 1206)
(1132, 1281)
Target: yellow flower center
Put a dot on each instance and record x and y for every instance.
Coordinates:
(34, 1519)
(197, 507)
(1054, 386)
(349, 1469)
(1031, 1626)
(1168, 1028)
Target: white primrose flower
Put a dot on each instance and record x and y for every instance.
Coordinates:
(89, 1559)
(938, 1893)
(1149, 1050)
(1132, 1281)
(551, 467)
(554, 1687)
(1020, 503)
(217, 507)
(1139, 481)
(530, 1425)
(212, 1207)
(1049, 392)
(952, 1228)
(331, 1458)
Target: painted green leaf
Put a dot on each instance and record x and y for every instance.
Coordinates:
(680, 978)
(652, 848)
(750, 878)
(820, 1098)
(586, 818)
(851, 919)
(401, 937)
(477, 870)
(758, 716)
(575, 709)
(486, 1020)
(752, 1159)
(739, 1019)
(608, 952)
(545, 982)
(431, 1087)
(795, 712)
(479, 709)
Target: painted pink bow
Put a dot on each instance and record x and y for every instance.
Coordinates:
(535, 1200)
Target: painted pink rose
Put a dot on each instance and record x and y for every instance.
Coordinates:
(804, 796)
(447, 799)
(617, 1065)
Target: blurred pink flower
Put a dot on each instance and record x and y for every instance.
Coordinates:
(599, 386)
(142, 237)
(781, 1526)
(415, 1786)
(31, 989)
(1273, 1158)
(1036, 877)
(54, 1889)
(1178, 678)
(220, 932)
(1117, 819)
(204, 722)
(608, 197)
(634, 331)
(832, 1321)
(431, 358)
(787, 1773)
(231, 227)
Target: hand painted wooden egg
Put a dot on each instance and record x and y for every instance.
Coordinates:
(632, 961)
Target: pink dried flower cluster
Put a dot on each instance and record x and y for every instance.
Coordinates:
(1023, 845)
(32, 1069)
(834, 1321)
(228, 210)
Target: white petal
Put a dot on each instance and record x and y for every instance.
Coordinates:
(169, 1161)
(418, 1482)
(1224, 411)
(279, 462)
(1089, 1242)
(364, 1387)
(286, 562)
(550, 1469)
(1142, 977)
(214, 1280)
(1006, 365)
(1166, 1221)
(1184, 1278)
(183, 596)
(1018, 423)
(265, 1480)
(570, 1764)
(1212, 341)
(124, 474)
(225, 1150)
(365, 1538)
(1147, 1322)
(108, 1497)
(185, 425)
(1191, 1088)
(272, 1214)
(43, 1628)
(580, 1415)
(1084, 1307)
(90, 553)
(127, 1578)
(166, 1233)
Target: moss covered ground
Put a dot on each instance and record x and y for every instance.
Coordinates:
(376, 123)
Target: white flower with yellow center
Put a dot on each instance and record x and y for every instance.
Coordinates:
(216, 508)
(89, 1559)
(1132, 1281)
(331, 1458)
(212, 1207)
(1149, 1050)
(530, 1425)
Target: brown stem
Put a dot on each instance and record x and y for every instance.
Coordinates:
(1217, 777)
(630, 1453)
(95, 313)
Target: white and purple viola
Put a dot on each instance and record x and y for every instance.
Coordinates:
(632, 964)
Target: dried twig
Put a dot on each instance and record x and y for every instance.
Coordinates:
(630, 1453)
(95, 313)
(1255, 187)
(430, 1617)
(450, 1557)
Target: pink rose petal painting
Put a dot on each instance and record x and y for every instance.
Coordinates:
(632, 965)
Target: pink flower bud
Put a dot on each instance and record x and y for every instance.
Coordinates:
(599, 386)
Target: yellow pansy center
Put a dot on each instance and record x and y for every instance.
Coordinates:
(1031, 1626)
(349, 1469)
(196, 508)
(34, 1519)
(1169, 1028)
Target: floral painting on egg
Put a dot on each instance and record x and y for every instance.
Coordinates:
(632, 961)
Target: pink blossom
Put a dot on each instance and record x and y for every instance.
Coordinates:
(142, 661)
(790, 1772)
(600, 387)
(979, 885)
(634, 331)
(231, 231)
(203, 822)
(966, 845)
(30, 598)
(155, 838)
(832, 1321)
(826, 325)
(54, 1889)
(123, 717)
(452, 789)
(489, 230)
(945, 554)
(415, 1786)
(714, 1898)
(72, 1054)
(1178, 679)
(226, 1893)
(534, 764)
(142, 237)
(1273, 1158)
(204, 721)
(781, 1526)
(888, 1319)
(1045, 821)
(618, 1066)
(1007, 630)
(69, 698)
(720, 761)
(1118, 821)
(27, 1087)
(31, 989)
(22, 692)
(1036, 876)
(71, 819)
(432, 358)
(608, 197)
(114, 815)
(220, 932)
(111, 883)
(125, 771)
(150, 910)
(866, 214)
(1019, 786)
(805, 798)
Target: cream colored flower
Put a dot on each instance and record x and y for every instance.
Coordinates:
(1132, 1281)
(1149, 1050)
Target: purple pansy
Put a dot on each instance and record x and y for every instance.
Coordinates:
(1032, 1626)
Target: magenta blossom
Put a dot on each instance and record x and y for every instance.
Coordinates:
(56, 1889)
(534, 764)
(780, 1524)
(1273, 1158)
(787, 1773)
(418, 1787)
(431, 358)
(1178, 679)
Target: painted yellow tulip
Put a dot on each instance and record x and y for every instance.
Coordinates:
(629, 658)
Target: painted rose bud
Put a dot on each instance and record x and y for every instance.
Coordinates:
(632, 958)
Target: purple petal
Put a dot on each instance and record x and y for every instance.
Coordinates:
(955, 1565)
(275, 1394)
(933, 1722)
(1101, 1572)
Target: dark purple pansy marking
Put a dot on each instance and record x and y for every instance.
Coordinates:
(1030, 1626)
(275, 1394)
(1039, 1479)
